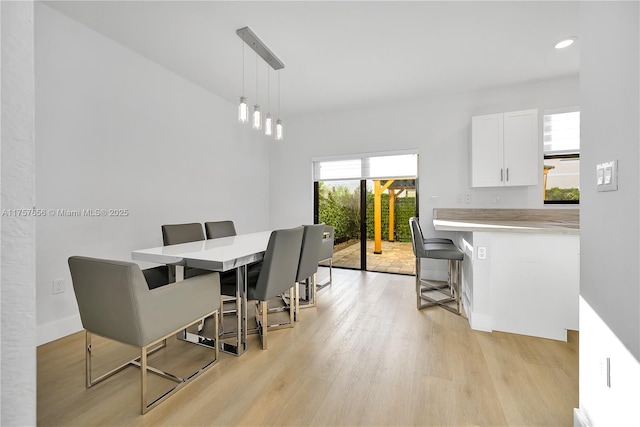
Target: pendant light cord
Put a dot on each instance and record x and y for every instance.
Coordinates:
(243, 68)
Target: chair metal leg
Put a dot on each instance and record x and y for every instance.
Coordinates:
(314, 287)
(296, 314)
(292, 308)
(418, 284)
(142, 362)
(262, 311)
(452, 285)
(88, 356)
(143, 380)
(321, 286)
(264, 326)
(311, 284)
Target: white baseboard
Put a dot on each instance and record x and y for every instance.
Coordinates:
(58, 329)
(579, 419)
(480, 321)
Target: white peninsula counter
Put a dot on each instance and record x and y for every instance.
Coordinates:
(521, 272)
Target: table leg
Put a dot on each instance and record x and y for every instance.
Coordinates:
(240, 345)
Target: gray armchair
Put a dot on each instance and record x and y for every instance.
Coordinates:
(115, 302)
(326, 253)
(308, 266)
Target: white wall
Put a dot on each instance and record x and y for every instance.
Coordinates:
(438, 128)
(17, 265)
(116, 131)
(610, 221)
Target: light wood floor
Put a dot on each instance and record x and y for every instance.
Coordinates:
(365, 356)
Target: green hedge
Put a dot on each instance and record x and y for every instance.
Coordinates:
(556, 193)
(341, 208)
(405, 208)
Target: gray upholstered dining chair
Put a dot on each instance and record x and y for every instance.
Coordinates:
(115, 302)
(174, 234)
(326, 253)
(308, 266)
(156, 276)
(436, 250)
(272, 277)
(217, 229)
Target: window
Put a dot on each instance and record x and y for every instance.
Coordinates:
(561, 174)
(366, 166)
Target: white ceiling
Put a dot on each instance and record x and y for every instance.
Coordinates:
(344, 54)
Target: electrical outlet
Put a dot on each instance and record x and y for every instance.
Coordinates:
(467, 198)
(58, 286)
(482, 252)
(496, 199)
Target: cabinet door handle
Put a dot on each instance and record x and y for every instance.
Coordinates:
(501, 175)
(507, 174)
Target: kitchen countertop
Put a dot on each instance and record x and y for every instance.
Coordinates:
(508, 220)
(551, 227)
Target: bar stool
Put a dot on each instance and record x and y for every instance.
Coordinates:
(437, 250)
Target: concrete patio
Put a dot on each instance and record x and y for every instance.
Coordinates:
(396, 257)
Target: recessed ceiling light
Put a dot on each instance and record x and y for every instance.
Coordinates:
(565, 42)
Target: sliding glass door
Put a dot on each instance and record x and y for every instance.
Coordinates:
(370, 211)
(339, 205)
(390, 204)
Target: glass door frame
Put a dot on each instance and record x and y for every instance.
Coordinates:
(363, 217)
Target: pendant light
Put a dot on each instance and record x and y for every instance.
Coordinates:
(243, 110)
(268, 120)
(251, 40)
(279, 130)
(257, 117)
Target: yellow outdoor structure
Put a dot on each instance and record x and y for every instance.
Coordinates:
(394, 191)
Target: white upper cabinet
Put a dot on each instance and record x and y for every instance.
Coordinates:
(505, 149)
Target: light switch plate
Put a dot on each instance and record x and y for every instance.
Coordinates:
(607, 176)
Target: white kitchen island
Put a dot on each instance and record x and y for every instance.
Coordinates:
(521, 272)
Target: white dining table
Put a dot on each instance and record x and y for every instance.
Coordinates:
(222, 254)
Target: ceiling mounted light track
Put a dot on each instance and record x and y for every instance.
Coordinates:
(272, 60)
(260, 48)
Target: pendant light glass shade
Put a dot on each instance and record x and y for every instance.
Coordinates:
(279, 130)
(268, 125)
(243, 110)
(256, 122)
(268, 120)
